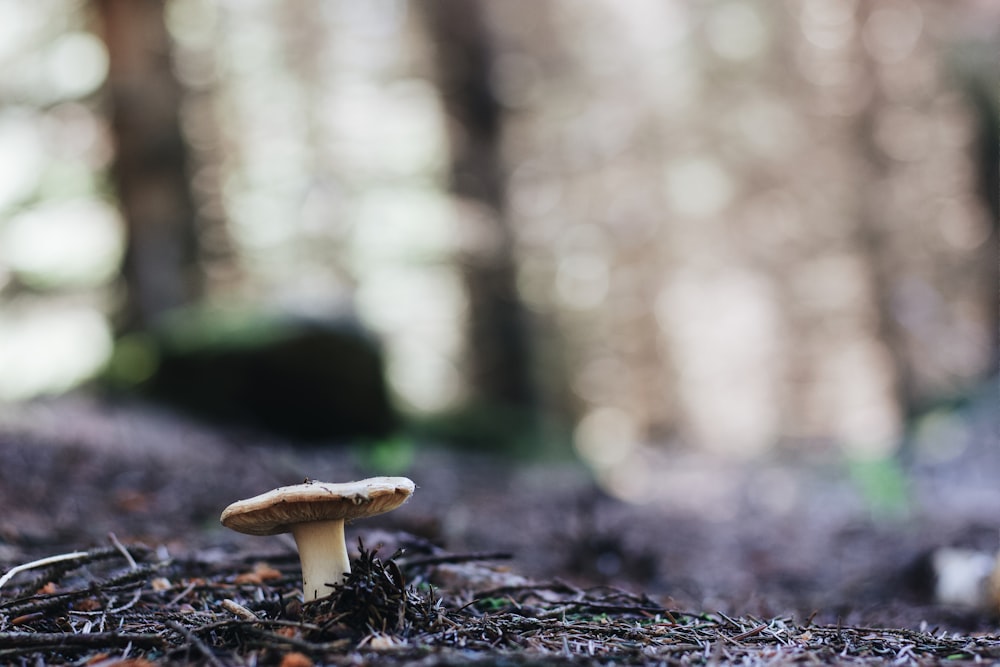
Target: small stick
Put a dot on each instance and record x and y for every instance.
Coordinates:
(621, 608)
(131, 561)
(64, 639)
(124, 552)
(749, 633)
(39, 563)
(455, 558)
(128, 605)
(239, 610)
(180, 596)
(196, 641)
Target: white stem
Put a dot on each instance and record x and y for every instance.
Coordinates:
(323, 554)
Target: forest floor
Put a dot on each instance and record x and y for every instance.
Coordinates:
(502, 562)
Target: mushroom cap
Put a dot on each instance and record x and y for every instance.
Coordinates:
(278, 510)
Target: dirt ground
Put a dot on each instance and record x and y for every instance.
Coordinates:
(75, 471)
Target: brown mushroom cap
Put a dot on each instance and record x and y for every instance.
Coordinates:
(277, 511)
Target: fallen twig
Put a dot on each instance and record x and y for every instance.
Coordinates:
(454, 558)
(42, 640)
(41, 562)
(195, 641)
(123, 551)
(239, 610)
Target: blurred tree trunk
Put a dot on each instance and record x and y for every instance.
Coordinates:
(499, 354)
(875, 239)
(160, 269)
(980, 90)
(873, 244)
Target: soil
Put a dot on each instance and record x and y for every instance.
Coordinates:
(503, 562)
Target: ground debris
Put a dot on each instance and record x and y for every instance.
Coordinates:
(374, 598)
(122, 603)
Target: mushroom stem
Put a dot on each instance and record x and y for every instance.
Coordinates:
(323, 554)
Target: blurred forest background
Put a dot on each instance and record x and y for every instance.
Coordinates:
(642, 227)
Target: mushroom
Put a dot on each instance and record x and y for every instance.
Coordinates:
(964, 577)
(314, 513)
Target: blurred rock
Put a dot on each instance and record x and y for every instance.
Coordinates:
(305, 379)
